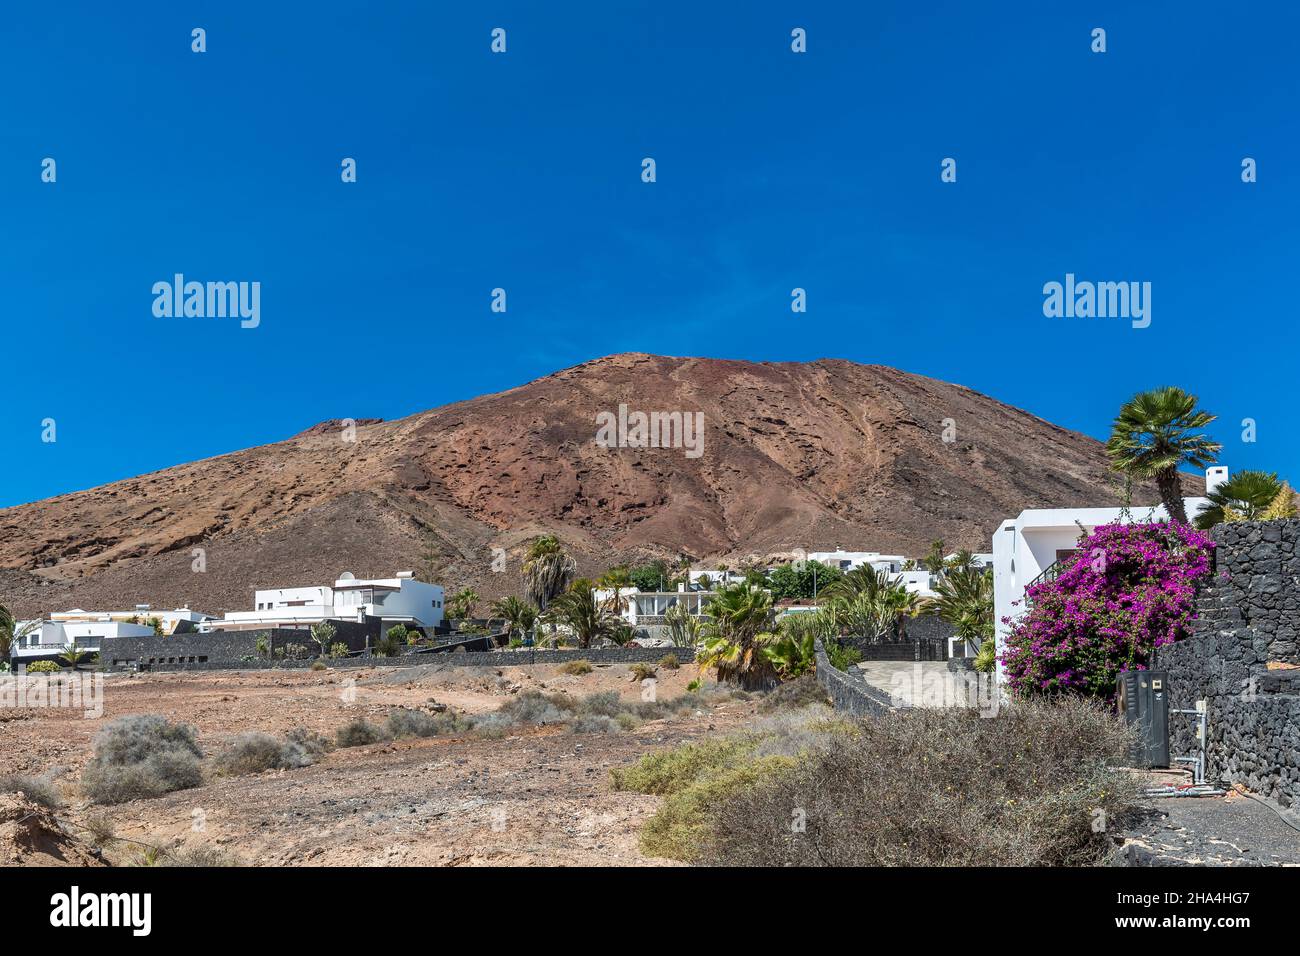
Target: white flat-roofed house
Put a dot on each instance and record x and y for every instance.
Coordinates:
(1028, 545)
(400, 599)
(46, 639)
(178, 620)
(852, 560)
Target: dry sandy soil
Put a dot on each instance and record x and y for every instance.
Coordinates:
(540, 796)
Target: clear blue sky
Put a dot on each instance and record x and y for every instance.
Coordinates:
(522, 170)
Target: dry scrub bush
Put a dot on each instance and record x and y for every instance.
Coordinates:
(359, 733)
(254, 752)
(800, 692)
(142, 756)
(933, 787)
(576, 668)
(404, 722)
(36, 789)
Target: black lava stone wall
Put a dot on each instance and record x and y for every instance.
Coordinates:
(1242, 660)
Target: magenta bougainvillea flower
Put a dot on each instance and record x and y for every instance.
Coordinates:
(1129, 589)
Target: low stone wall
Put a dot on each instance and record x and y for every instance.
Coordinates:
(1241, 659)
(228, 648)
(850, 693)
(515, 658)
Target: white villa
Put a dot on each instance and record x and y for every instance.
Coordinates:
(852, 560)
(1029, 545)
(400, 599)
(86, 629)
(641, 608)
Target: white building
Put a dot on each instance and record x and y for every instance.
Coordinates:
(715, 578)
(638, 607)
(852, 560)
(1029, 545)
(400, 599)
(86, 629)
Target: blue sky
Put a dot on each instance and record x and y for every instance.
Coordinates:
(522, 170)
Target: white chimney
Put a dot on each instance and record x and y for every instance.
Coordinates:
(1214, 477)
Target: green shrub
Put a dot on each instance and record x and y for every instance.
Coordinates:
(319, 665)
(842, 656)
(668, 771)
(680, 828)
(43, 667)
(254, 752)
(693, 685)
(359, 733)
(142, 756)
(669, 662)
(576, 668)
(338, 649)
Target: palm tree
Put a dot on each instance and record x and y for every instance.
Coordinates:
(548, 569)
(520, 616)
(1156, 432)
(793, 652)
(736, 634)
(587, 618)
(1243, 497)
(11, 632)
(963, 560)
(72, 656)
(966, 602)
(462, 603)
(615, 578)
(870, 603)
(933, 560)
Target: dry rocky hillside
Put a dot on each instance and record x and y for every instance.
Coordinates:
(815, 455)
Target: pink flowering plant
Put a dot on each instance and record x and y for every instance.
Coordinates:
(1129, 589)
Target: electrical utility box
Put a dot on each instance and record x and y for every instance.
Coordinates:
(1143, 700)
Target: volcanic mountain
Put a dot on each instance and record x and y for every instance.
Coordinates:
(811, 455)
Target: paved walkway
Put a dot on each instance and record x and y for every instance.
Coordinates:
(924, 683)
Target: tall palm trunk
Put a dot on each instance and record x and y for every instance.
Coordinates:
(1171, 495)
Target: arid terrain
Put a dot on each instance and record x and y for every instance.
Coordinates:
(541, 795)
(811, 455)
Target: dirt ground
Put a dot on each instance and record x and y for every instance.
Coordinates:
(541, 796)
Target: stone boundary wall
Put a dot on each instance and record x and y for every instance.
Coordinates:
(228, 647)
(849, 693)
(1241, 659)
(515, 658)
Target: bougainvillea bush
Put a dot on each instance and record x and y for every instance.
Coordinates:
(1129, 589)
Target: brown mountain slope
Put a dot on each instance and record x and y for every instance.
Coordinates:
(815, 455)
